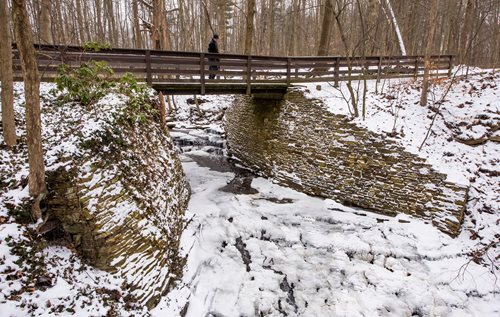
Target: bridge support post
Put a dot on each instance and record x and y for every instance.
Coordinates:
(249, 74)
(337, 67)
(288, 70)
(416, 67)
(450, 68)
(379, 70)
(202, 73)
(149, 78)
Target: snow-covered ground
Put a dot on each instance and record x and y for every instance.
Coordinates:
(307, 256)
(468, 110)
(278, 252)
(39, 278)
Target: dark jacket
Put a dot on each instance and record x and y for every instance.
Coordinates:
(213, 47)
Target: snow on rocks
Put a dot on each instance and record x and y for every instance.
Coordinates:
(469, 110)
(117, 189)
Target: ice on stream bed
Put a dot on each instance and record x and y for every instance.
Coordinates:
(280, 252)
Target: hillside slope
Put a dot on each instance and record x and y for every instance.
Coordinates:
(117, 195)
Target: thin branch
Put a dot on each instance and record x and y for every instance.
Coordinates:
(440, 103)
(208, 16)
(148, 5)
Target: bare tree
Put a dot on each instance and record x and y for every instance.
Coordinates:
(27, 54)
(46, 22)
(293, 28)
(99, 20)
(465, 36)
(340, 8)
(137, 28)
(279, 27)
(160, 32)
(8, 123)
(79, 19)
(371, 27)
(249, 27)
(326, 26)
(431, 27)
(270, 38)
(111, 15)
(394, 22)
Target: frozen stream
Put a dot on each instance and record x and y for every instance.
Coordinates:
(278, 252)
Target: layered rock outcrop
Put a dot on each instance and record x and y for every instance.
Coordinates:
(299, 143)
(118, 190)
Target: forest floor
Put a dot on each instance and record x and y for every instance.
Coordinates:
(259, 249)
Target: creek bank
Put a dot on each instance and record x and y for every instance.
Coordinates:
(118, 191)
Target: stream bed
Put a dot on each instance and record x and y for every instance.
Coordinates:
(259, 249)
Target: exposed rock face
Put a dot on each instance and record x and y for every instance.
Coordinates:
(120, 195)
(300, 144)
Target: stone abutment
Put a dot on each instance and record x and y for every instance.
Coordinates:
(300, 144)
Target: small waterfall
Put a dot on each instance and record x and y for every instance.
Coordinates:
(206, 139)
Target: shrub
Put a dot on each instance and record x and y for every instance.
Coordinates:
(96, 46)
(90, 82)
(85, 84)
(139, 106)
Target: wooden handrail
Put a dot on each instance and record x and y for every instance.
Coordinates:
(153, 66)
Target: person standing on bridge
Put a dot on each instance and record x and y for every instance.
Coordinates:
(213, 47)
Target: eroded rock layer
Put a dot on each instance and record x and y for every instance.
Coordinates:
(119, 191)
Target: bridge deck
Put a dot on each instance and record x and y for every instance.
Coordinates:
(175, 88)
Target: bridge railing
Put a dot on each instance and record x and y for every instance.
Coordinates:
(155, 67)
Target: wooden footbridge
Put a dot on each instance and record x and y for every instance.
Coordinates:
(178, 73)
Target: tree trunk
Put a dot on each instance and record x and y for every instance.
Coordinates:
(46, 22)
(496, 31)
(182, 28)
(59, 35)
(80, 15)
(348, 53)
(155, 32)
(221, 14)
(99, 26)
(395, 25)
(343, 37)
(466, 32)
(249, 27)
(271, 28)
(159, 34)
(292, 44)
(137, 28)
(87, 18)
(326, 26)
(262, 22)
(372, 26)
(163, 113)
(27, 54)
(8, 123)
(113, 38)
(431, 27)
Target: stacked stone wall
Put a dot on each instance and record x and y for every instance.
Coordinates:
(302, 145)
